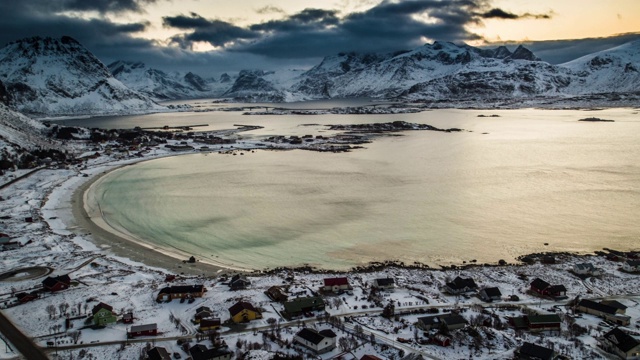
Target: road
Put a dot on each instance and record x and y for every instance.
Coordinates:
(22, 343)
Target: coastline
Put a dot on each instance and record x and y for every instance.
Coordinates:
(126, 246)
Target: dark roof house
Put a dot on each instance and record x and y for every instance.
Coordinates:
(529, 351)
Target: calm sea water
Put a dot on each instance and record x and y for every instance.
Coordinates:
(514, 183)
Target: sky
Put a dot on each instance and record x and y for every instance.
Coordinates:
(214, 36)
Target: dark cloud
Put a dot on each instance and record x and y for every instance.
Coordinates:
(215, 32)
(497, 13)
(270, 9)
(105, 6)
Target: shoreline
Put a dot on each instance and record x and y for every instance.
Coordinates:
(108, 238)
(123, 245)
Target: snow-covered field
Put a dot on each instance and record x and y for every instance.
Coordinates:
(98, 275)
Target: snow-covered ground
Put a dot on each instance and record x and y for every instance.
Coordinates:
(98, 275)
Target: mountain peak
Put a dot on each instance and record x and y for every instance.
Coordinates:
(522, 53)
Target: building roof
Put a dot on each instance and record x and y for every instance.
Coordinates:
(544, 319)
(536, 351)
(52, 281)
(460, 283)
(597, 306)
(385, 282)
(296, 305)
(585, 266)
(158, 353)
(557, 288)
(240, 306)
(492, 292)
(328, 333)
(210, 322)
(101, 306)
(203, 308)
(621, 340)
(615, 304)
(452, 319)
(311, 335)
(145, 327)
(182, 289)
(539, 284)
(336, 281)
(200, 352)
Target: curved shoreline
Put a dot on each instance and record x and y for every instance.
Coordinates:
(127, 246)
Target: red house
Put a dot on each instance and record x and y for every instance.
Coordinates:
(441, 340)
(57, 283)
(542, 287)
(24, 297)
(143, 330)
(336, 284)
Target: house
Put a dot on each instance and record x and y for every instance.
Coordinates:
(621, 344)
(384, 283)
(158, 353)
(336, 284)
(529, 351)
(318, 341)
(543, 288)
(200, 352)
(143, 330)
(57, 283)
(127, 318)
(276, 293)
(447, 322)
(490, 294)
(202, 314)
(181, 292)
(239, 282)
(460, 286)
(210, 324)
(631, 266)
(604, 311)
(243, 311)
(24, 297)
(103, 314)
(586, 269)
(441, 340)
(537, 322)
(299, 306)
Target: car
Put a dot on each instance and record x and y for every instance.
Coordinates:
(176, 355)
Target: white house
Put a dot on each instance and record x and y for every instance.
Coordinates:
(318, 341)
(586, 269)
(631, 266)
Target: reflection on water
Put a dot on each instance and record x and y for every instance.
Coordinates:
(514, 183)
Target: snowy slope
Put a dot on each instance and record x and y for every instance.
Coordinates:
(161, 85)
(22, 131)
(612, 70)
(54, 77)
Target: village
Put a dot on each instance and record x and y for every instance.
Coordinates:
(79, 299)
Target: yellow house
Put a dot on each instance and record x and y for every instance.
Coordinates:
(243, 311)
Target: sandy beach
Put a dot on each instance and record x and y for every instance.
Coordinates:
(126, 246)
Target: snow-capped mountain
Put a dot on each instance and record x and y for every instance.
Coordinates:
(449, 72)
(267, 86)
(438, 70)
(612, 70)
(161, 85)
(56, 77)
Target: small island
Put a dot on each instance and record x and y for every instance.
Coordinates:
(595, 119)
